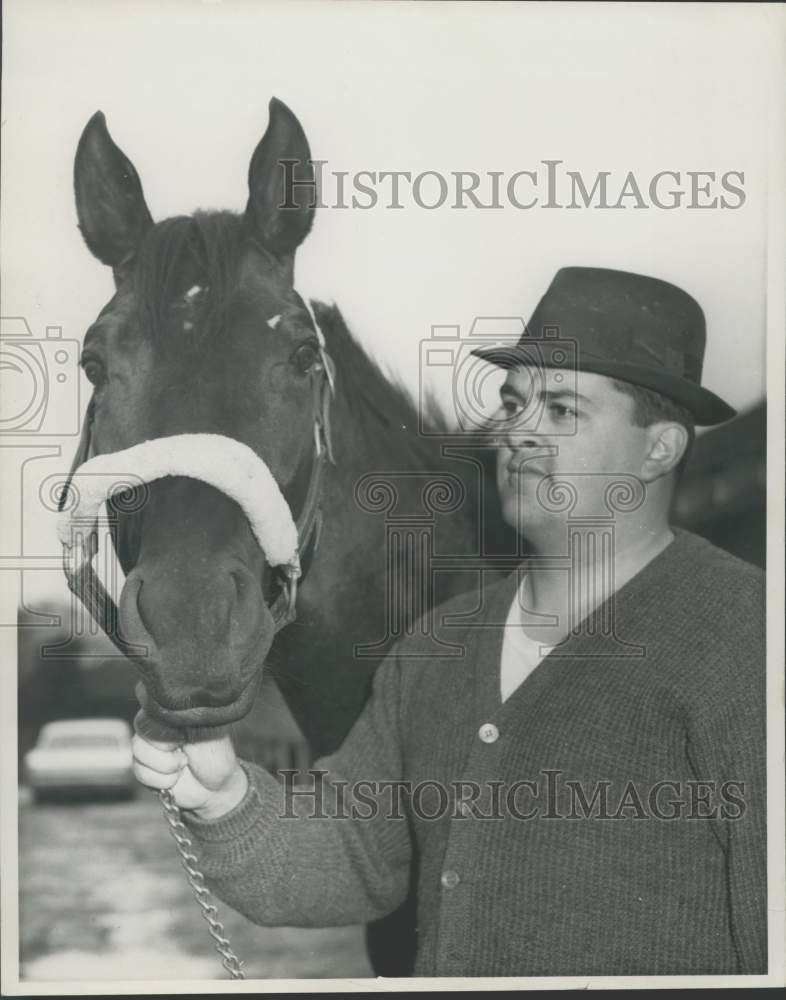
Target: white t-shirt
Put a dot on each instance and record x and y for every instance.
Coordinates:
(520, 653)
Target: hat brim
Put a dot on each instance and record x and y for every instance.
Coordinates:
(706, 407)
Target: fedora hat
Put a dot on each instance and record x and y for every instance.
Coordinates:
(623, 325)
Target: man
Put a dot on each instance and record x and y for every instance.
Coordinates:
(583, 792)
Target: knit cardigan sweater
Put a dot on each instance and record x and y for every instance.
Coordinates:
(663, 721)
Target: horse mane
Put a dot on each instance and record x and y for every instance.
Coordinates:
(370, 393)
(387, 417)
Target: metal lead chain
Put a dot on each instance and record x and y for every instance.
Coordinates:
(196, 880)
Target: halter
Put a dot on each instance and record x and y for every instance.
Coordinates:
(78, 567)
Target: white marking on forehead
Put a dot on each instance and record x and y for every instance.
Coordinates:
(193, 290)
(274, 321)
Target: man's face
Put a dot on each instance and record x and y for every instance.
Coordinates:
(563, 427)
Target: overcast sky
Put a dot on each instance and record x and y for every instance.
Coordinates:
(401, 87)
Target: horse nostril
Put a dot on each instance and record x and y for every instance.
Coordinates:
(241, 583)
(138, 607)
(248, 587)
(133, 626)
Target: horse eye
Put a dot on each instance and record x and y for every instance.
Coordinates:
(93, 369)
(305, 357)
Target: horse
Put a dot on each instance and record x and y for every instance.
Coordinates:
(206, 334)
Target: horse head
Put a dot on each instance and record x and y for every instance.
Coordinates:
(204, 335)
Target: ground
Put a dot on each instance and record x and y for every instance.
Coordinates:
(102, 896)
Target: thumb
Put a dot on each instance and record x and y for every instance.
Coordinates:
(211, 755)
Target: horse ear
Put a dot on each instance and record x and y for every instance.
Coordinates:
(281, 185)
(110, 205)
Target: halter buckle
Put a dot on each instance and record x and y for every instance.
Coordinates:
(291, 585)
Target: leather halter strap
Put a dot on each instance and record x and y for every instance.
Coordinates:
(78, 567)
(309, 521)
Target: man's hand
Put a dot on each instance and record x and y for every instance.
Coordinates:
(204, 776)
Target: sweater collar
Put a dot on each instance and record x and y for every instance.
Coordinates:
(621, 608)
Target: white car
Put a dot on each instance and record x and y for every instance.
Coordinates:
(80, 756)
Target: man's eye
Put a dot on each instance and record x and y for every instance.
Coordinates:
(93, 369)
(511, 408)
(562, 412)
(305, 357)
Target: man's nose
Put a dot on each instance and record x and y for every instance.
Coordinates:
(523, 440)
(519, 438)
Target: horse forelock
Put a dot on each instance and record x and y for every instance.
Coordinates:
(186, 269)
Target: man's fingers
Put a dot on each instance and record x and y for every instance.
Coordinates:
(197, 771)
(155, 779)
(188, 793)
(150, 755)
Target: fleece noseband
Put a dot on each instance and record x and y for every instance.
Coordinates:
(222, 462)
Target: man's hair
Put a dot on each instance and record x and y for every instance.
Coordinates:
(650, 407)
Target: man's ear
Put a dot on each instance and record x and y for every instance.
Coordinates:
(666, 446)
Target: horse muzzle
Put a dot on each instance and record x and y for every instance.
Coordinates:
(193, 612)
(200, 643)
(200, 716)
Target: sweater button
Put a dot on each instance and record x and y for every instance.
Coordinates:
(449, 879)
(488, 732)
